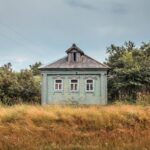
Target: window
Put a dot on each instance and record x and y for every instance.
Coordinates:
(74, 85)
(74, 56)
(58, 85)
(89, 85)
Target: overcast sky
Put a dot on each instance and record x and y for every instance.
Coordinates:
(41, 30)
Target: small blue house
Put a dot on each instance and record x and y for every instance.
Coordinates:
(76, 78)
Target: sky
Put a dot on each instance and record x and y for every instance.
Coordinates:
(42, 30)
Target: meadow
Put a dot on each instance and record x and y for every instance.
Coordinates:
(114, 127)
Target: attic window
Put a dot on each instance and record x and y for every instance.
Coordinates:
(75, 57)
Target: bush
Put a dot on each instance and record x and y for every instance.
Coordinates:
(18, 87)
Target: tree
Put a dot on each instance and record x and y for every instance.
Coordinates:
(30, 88)
(35, 68)
(130, 70)
(18, 87)
(9, 86)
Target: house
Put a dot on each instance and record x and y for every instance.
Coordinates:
(76, 78)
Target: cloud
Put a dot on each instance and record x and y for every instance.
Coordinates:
(81, 4)
(120, 8)
(114, 6)
(20, 59)
(41, 30)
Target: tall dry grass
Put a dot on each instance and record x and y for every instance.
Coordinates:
(122, 127)
(143, 98)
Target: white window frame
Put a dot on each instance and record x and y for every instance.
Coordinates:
(77, 85)
(58, 90)
(88, 91)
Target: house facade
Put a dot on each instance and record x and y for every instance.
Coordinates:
(76, 78)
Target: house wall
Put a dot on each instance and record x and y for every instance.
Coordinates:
(99, 96)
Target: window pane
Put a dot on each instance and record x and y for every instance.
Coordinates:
(89, 81)
(91, 87)
(58, 81)
(72, 87)
(87, 87)
(74, 81)
(76, 86)
(60, 86)
(74, 56)
(56, 86)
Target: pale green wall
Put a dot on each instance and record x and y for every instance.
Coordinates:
(99, 96)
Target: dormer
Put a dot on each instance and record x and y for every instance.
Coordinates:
(74, 54)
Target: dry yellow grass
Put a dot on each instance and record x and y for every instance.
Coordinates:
(122, 127)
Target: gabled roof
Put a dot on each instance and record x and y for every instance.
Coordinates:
(85, 63)
(74, 47)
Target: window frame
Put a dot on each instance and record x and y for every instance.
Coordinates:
(89, 91)
(74, 91)
(58, 90)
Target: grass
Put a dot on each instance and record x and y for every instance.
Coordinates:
(115, 127)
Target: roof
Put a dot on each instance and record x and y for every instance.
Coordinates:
(86, 63)
(74, 47)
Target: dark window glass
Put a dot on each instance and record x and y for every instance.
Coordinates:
(89, 81)
(74, 81)
(74, 56)
(58, 81)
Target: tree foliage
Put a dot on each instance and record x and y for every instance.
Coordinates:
(18, 87)
(35, 68)
(130, 70)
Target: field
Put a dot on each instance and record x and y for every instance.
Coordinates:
(115, 127)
